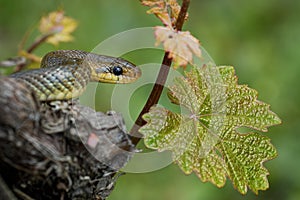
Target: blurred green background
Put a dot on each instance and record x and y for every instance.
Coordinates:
(260, 38)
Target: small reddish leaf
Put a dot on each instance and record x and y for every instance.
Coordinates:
(181, 45)
(163, 16)
(166, 10)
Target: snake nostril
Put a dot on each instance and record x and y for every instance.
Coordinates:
(117, 70)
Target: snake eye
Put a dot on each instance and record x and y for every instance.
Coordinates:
(117, 70)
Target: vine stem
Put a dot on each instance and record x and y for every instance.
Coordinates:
(38, 42)
(160, 80)
(32, 47)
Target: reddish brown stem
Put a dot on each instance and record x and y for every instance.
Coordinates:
(160, 80)
(182, 14)
(32, 47)
(38, 42)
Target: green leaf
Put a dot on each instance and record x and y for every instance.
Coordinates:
(205, 140)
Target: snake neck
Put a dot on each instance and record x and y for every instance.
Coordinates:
(59, 83)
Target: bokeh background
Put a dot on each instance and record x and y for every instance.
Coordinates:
(260, 38)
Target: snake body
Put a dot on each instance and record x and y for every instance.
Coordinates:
(64, 74)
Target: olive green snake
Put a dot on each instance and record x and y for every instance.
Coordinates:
(64, 74)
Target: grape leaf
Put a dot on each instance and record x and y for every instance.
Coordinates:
(60, 26)
(205, 139)
(181, 45)
(166, 10)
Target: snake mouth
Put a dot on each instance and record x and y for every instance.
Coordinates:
(128, 76)
(115, 70)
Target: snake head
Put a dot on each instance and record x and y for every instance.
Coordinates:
(113, 70)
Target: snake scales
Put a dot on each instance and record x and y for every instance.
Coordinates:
(64, 74)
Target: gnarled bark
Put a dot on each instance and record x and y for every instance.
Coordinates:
(57, 150)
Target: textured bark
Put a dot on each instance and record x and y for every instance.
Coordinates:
(57, 150)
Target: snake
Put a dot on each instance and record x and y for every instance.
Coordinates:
(64, 74)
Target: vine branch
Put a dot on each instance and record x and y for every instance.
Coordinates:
(38, 42)
(32, 47)
(160, 80)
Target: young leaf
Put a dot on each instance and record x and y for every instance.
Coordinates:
(60, 26)
(205, 139)
(166, 10)
(181, 45)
